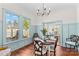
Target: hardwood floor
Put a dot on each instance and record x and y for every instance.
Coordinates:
(28, 51)
(25, 51)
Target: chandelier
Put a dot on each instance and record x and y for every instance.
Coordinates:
(44, 12)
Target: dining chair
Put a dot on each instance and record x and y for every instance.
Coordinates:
(53, 46)
(39, 48)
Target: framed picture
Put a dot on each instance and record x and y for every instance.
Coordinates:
(25, 25)
(12, 28)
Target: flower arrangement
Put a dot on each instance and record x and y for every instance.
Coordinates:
(44, 31)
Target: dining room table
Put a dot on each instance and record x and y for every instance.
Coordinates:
(49, 43)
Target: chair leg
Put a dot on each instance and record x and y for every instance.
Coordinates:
(54, 53)
(35, 54)
(66, 46)
(74, 49)
(77, 48)
(46, 53)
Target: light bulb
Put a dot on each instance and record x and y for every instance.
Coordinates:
(49, 8)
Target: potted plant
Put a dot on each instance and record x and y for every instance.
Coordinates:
(44, 31)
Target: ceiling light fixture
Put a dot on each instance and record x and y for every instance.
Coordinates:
(44, 11)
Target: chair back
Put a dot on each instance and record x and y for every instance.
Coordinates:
(38, 46)
(35, 35)
(74, 38)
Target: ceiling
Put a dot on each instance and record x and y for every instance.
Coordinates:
(32, 7)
